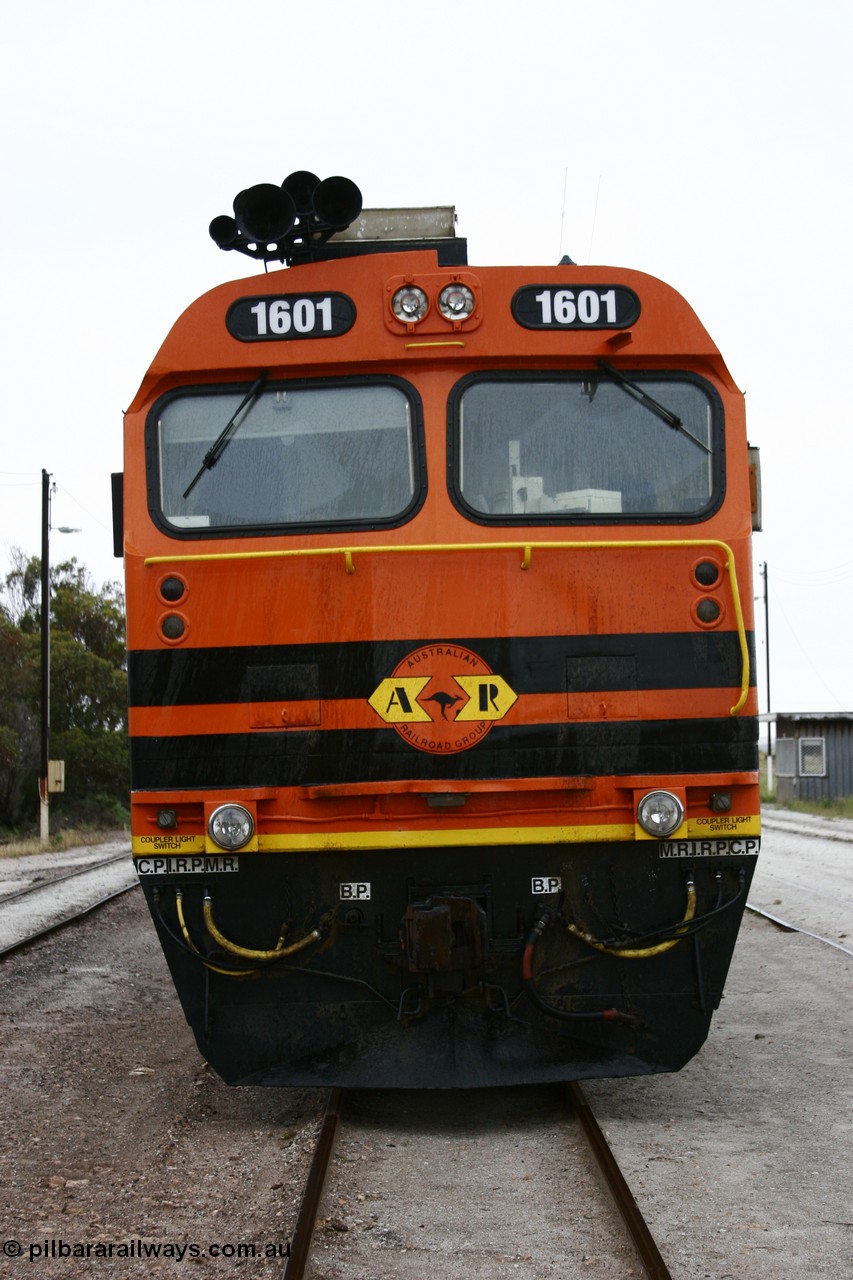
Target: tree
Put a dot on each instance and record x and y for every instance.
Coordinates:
(19, 723)
(88, 693)
(21, 590)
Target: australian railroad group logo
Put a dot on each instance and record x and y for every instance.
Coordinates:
(442, 698)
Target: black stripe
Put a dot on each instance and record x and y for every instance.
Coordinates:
(328, 756)
(530, 664)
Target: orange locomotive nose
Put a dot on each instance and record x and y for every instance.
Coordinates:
(442, 693)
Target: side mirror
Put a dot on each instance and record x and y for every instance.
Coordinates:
(755, 486)
(117, 479)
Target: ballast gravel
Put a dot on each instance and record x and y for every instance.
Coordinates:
(115, 1136)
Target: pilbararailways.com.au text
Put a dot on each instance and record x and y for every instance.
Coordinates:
(44, 1250)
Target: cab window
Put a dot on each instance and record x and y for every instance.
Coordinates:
(537, 448)
(340, 454)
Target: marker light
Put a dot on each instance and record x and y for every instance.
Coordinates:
(660, 813)
(706, 573)
(173, 626)
(410, 304)
(172, 589)
(231, 826)
(456, 301)
(708, 610)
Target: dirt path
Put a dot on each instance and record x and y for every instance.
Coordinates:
(114, 1132)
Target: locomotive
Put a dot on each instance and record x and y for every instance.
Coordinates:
(443, 717)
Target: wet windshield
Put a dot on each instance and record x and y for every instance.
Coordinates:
(582, 446)
(301, 455)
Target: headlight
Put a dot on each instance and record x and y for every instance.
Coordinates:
(231, 826)
(456, 301)
(410, 304)
(660, 813)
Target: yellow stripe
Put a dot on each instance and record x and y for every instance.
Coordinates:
(342, 840)
(143, 846)
(693, 829)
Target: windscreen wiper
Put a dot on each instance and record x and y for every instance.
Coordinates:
(670, 418)
(220, 444)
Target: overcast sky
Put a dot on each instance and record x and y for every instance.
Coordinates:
(709, 145)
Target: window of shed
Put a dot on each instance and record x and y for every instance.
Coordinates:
(786, 757)
(812, 757)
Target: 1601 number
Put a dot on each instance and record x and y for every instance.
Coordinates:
(304, 315)
(600, 306)
(283, 316)
(561, 306)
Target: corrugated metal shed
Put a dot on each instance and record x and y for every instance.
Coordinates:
(814, 755)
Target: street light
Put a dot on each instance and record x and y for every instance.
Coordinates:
(47, 781)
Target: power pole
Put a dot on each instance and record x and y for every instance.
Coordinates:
(44, 793)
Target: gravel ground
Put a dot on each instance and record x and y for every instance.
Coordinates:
(114, 1131)
(54, 898)
(114, 1134)
(22, 870)
(487, 1184)
(741, 1162)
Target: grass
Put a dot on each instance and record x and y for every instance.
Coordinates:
(841, 808)
(21, 847)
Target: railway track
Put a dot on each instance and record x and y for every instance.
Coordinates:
(29, 914)
(315, 1182)
(638, 1229)
(647, 1251)
(787, 927)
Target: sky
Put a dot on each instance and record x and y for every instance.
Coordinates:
(708, 145)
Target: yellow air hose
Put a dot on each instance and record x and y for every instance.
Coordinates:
(248, 953)
(228, 973)
(641, 953)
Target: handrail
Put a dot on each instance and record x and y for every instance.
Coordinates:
(526, 547)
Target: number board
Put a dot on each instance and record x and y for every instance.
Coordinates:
(595, 306)
(290, 315)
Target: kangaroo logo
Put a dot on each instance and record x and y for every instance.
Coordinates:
(442, 699)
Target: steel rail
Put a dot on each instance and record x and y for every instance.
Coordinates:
(70, 875)
(303, 1233)
(58, 925)
(653, 1263)
(787, 927)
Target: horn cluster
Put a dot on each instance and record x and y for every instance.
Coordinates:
(287, 223)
